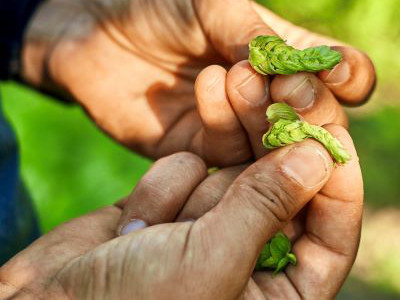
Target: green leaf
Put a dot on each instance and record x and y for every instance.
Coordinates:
(264, 255)
(280, 246)
(281, 265)
(292, 258)
(278, 111)
(265, 252)
(271, 262)
(276, 254)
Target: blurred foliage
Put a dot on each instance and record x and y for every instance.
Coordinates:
(70, 167)
(355, 289)
(377, 139)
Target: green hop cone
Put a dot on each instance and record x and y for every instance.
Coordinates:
(287, 128)
(271, 55)
(276, 254)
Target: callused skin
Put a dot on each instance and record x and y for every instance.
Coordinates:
(214, 256)
(132, 64)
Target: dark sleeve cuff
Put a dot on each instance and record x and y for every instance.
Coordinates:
(14, 17)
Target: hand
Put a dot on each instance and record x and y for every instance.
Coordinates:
(213, 257)
(132, 65)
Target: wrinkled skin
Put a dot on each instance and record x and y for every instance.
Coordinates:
(132, 65)
(129, 65)
(237, 210)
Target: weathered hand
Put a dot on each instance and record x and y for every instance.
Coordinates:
(325, 233)
(213, 257)
(132, 64)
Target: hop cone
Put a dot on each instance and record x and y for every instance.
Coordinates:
(271, 55)
(287, 128)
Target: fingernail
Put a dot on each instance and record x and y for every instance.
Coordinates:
(253, 89)
(340, 73)
(306, 165)
(133, 226)
(302, 93)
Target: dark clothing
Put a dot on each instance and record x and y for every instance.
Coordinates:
(18, 225)
(14, 17)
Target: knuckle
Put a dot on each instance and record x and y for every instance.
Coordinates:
(269, 197)
(149, 189)
(186, 160)
(258, 27)
(185, 163)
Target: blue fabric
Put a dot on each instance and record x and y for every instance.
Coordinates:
(18, 225)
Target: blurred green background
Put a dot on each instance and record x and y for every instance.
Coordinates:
(70, 167)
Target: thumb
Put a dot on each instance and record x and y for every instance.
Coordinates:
(261, 201)
(230, 25)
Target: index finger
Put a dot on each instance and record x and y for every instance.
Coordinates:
(162, 191)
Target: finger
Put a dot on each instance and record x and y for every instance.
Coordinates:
(209, 193)
(295, 228)
(310, 97)
(277, 287)
(248, 93)
(259, 202)
(162, 192)
(351, 81)
(222, 140)
(252, 292)
(328, 248)
(240, 22)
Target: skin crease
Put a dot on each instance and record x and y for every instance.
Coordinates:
(157, 108)
(83, 259)
(133, 64)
